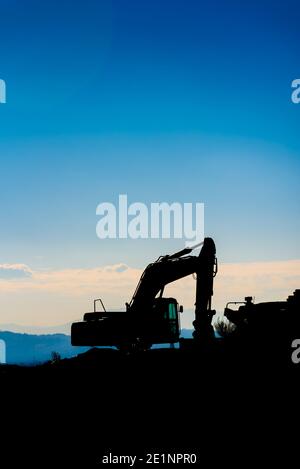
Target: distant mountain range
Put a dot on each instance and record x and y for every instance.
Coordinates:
(61, 329)
(30, 349)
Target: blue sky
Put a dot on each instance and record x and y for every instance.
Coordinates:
(162, 100)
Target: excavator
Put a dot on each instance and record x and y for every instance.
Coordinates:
(151, 318)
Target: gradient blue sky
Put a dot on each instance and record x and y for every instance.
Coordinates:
(163, 100)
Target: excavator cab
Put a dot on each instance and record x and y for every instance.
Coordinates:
(162, 325)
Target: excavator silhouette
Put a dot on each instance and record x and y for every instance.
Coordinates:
(149, 317)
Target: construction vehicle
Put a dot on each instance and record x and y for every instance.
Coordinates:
(151, 318)
(275, 318)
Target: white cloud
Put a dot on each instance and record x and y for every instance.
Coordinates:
(112, 280)
(14, 271)
(53, 297)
